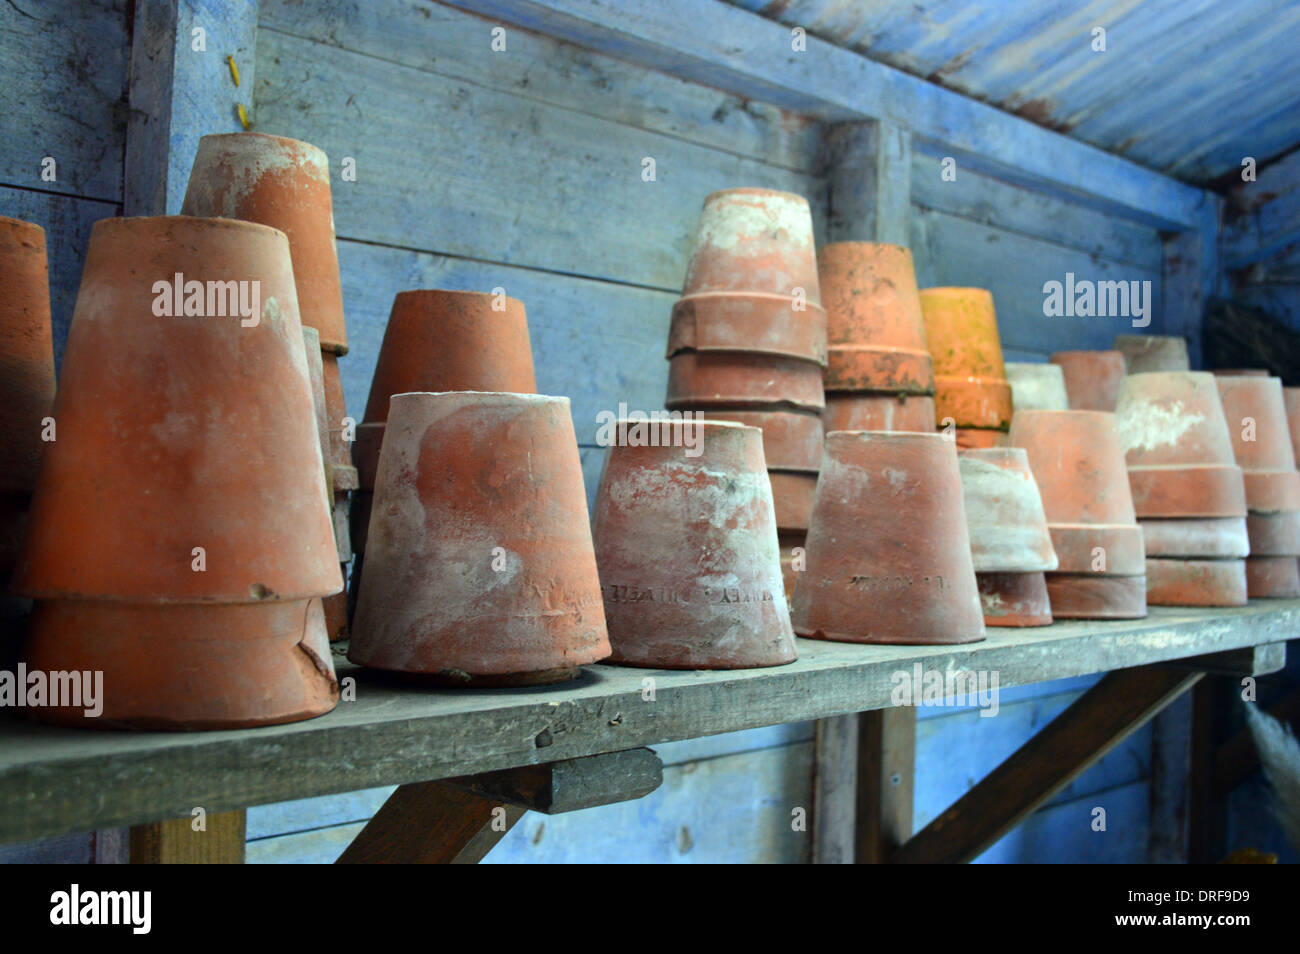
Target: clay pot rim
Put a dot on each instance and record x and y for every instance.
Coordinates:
(502, 398)
(420, 293)
(688, 422)
(23, 223)
(757, 190)
(206, 222)
(901, 437)
(768, 296)
(988, 453)
(271, 137)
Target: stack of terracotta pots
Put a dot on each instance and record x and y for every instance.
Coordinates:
(1187, 488)
(972, 396)
(1011, 545)
(26, 377)
(1145, 353)
(748, 339)
(705, 494)
(480, 569)
(1037, 387)
(889, 556)
(1092, 378)
(1261, 440)
(178, 544)
(437, 340)
(1078, 461)
(285, 183)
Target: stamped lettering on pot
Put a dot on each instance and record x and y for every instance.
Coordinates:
(886, 583)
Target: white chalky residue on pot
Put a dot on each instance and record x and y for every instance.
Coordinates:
(733, 221)
(248, 158)
(1146, 425)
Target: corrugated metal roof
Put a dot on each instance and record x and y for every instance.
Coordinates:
(1187, 87)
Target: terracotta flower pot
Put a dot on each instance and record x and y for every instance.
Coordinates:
(1004, 512)
(961, 331)
(1078, 462)
(194, 435)
(978, 438)
(792, 440)
(736, 321)
(724, 606)
(1014, 599)
(438, 340)
(743, 381)
(187, 666)
(1196, 582)
(1093, 596)
(1147, 353)
(343, 475)
(1037, 387)
(754, 240)
(1261, 441)
(1272, 577)
(1010, 543)
(1291, 398)
(316, 376)
(1221, 538)
(479, 567)
(1273, 534)
(26, 352)
(793, 495)
(889, 558)
(876, 334)
(855, 411)
(1176, 441)
(1092, 378)
(285, 184)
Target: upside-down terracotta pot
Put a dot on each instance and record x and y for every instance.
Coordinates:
(1177, 446)
(1273, 534)
(856, 411)
(754, 240)
(26, 375)
(748, 321)
(1078, 463)
(1219, 538)
(479, 567)
(1092, 378)
(976, 438)
(875, 330)
(1145, 353)
(1037, 387)
(187, 666)
(283, 183)
(961, 332)
(792, 440)
(200, 432)
(1272, 577)
(1261, 441)
(343, 475)
(793, 495)
(1173, 582)
(724, 607)
(889, 558)
(1011, 547)
(316, 376)
(743, 381)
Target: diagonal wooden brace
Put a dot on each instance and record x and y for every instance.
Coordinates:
(458, 821)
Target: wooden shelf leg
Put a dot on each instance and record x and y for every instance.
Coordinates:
(1122, 702)
(175, 842)
(886, 772)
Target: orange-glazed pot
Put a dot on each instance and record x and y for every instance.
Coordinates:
(889, 558)
(876, 334)
(479, 567)
(1092, 378)
(283, 183)
(961, 331)
(686, 545)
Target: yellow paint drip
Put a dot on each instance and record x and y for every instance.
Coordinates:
(234, 70)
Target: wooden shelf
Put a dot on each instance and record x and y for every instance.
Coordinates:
(54, 781)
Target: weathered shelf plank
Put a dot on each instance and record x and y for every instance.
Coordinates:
(54, 781)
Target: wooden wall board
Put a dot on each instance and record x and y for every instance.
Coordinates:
(951, 250)
(1063, 834)
(435, 38)
(65, 69)
(454, 168)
